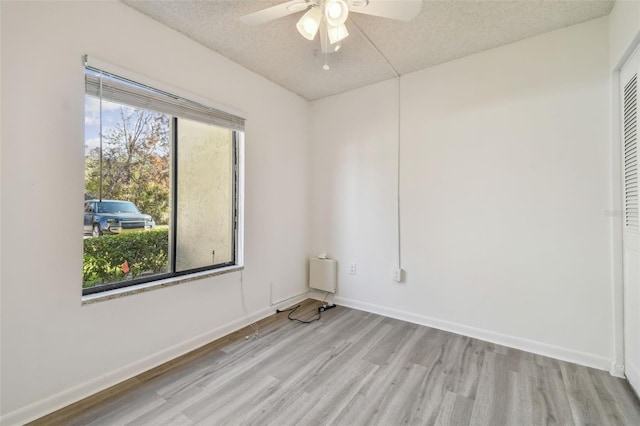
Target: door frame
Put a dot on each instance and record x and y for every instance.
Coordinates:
(616, 211)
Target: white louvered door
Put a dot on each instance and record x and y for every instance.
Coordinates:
(630, 141)
(631, 223)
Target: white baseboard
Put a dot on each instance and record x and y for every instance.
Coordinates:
(617, 370)
(557, 352)
(633, 376)
(83, 390)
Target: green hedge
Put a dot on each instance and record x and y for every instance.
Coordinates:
(145, 252)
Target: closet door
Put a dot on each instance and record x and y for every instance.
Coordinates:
(631, 224)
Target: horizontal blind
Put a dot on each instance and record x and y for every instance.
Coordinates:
(121, 90)
(630, 154)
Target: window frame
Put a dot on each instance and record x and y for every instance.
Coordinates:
(237, 175)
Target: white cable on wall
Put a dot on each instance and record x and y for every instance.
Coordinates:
(398, 78)
(398, 173)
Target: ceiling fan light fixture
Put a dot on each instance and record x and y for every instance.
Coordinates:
(337, 34)
(309, 23)
(336, 12)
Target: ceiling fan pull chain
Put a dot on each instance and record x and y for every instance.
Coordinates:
(326, 66)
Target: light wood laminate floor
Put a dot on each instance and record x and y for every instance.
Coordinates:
(357, 368)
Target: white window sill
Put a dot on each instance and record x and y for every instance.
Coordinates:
(141, 288)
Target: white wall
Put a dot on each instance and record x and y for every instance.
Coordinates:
(504, 188)
(53, 349)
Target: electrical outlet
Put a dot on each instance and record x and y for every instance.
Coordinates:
(398, 274)
(352, 269)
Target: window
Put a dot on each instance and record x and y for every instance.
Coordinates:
(161, 184)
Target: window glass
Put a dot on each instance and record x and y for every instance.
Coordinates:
(160, 191)
(127, 179)
(204, 224)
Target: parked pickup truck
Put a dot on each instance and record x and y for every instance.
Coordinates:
(114, 217)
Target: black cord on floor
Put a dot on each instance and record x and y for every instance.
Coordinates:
(292, 310)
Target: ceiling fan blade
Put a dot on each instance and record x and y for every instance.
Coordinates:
(274, 12)
(402, 10)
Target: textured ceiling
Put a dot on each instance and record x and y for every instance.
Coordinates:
(443, 31)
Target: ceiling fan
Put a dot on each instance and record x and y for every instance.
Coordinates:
(329, 16)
